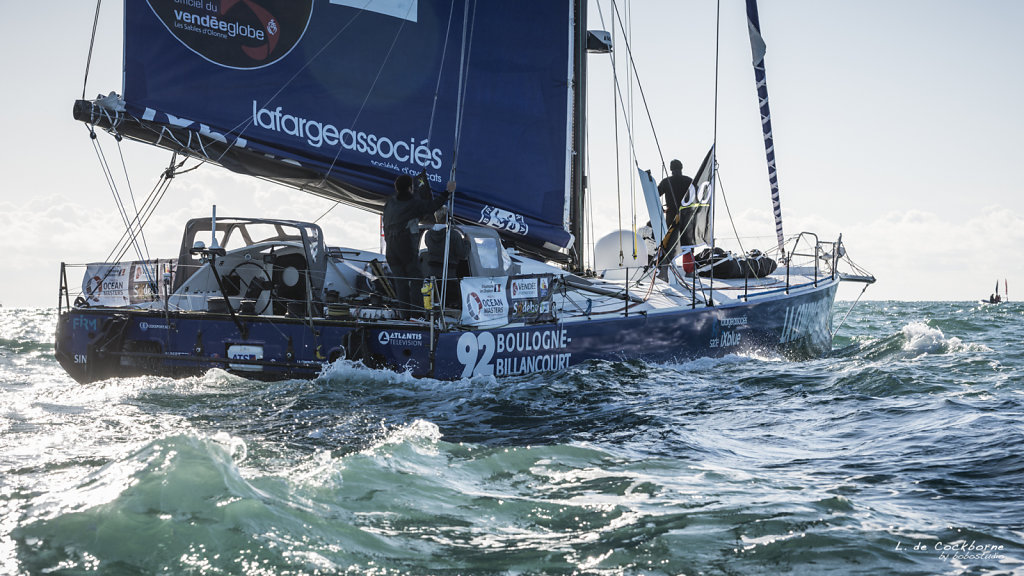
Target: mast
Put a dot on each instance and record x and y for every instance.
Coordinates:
(577, 182)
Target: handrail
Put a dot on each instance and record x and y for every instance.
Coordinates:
(796, 245)
(796, 287)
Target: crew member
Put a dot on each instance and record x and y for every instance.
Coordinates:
(674, 189)
(458, 253)
(401, 231)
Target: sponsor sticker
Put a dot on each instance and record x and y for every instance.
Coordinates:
(517, 352)
(503, 220)
(401, 339)
(236, 33)
(107, 284)
(484, 301)
(525, 288)
(245, 352)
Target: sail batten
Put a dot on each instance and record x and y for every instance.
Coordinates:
(293, 91)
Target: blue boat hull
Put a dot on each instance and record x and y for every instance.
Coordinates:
(97, 343)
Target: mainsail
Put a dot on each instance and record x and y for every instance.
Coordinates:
(757, 50)
(338, 98)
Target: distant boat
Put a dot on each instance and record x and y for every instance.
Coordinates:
(341, 116)
(995, 298)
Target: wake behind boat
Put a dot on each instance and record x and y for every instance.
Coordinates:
(338, 101)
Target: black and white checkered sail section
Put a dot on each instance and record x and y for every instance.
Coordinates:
(757, 50)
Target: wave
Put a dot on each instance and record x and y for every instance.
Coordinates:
(741, 464)
(411, 503)
(415, 503)
(921, 338)
(913, 340)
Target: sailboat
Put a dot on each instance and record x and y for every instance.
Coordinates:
(995, 298)
(485, 99)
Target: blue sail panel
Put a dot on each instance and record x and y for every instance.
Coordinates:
(340, 100)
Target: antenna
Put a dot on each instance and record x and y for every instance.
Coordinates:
(213, 229)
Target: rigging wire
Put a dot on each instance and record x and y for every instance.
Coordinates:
(463, 82)
(359, 112)
(107, 172)
(241, 127)
(112, 184)
(149, 206)
(440, 73)
(92, 42)
(588, 198)
(464, 59)
(321, 217)
(615, 116)
(131, 194)
(630, 73)
(639, 85)
(852, 306)
(128, 237)
(433, 110)
(617, 89)
(714, 148)
(721, 191)
(355, 118)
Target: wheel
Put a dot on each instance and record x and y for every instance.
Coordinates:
(251, 281)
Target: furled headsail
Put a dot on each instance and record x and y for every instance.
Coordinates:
(338, 98)
(757, 50)
(695, 214)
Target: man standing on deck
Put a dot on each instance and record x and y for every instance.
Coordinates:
(674, 189)
(401, 232)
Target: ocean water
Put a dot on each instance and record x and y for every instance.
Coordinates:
(900, 453)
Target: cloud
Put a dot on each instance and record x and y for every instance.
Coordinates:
(921, 255)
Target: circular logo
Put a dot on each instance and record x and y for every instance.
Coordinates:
(236, 33)
(474, 305)
(384, 338)
(94, 288)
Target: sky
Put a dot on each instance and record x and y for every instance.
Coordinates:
(897, 123)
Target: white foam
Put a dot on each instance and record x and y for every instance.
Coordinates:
(924, 339)
(347, 369)
(710, 363)
(416, 432)
(234, 446)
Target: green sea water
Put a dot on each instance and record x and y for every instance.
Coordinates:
(902, 452)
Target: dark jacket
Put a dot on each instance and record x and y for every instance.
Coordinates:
(402, 214)
(674, 190)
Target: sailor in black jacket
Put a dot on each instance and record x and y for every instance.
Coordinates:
(674, 189)
(402, 213)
